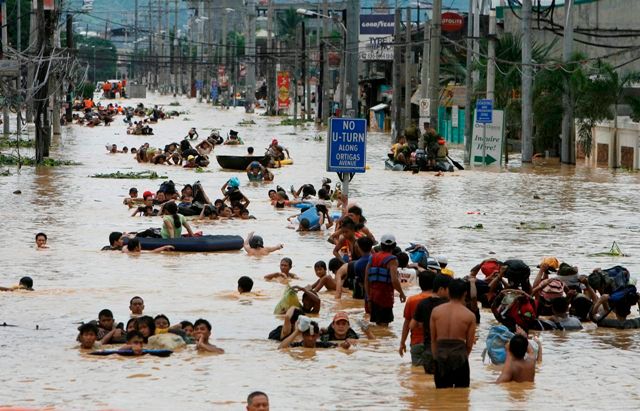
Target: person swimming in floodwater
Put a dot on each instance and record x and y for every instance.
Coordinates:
(41, 241)
(254, 246)
(285, 273)
(25, 283)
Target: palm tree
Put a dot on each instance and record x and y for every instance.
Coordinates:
(288, 25)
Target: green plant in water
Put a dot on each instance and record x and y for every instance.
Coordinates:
(11, 160)
(12, 143)
(174, 104)
(150, 175)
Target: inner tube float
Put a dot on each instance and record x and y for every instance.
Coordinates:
(202, 244)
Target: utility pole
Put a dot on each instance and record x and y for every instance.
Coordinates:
(307, 86)
(46, 26)
(251, 55)
(424, 74)
(567, 150)
(135, 42)
(468, 109)
(207, 68)
(407, 73)
(396, 115)
(174, 56)
(303, 67)
(353, 60)
(70, 52)
(491, 61)
(224, 35)
(325, 64)
(343, 71)
(527, 79)
(271, 68)
(5, 43)
(434, 69)
(167, 45)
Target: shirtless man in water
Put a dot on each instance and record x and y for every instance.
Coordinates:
(520, 365)
(254, 246)
(453, 333)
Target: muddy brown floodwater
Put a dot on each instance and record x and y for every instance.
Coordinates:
(590, 208)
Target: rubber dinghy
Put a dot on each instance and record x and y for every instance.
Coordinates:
(205, 243)
(239, 162)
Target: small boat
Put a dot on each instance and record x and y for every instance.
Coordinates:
(240, 162)
(392, 165)
(205, 243)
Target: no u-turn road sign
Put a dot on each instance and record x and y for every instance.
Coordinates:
(347, 145)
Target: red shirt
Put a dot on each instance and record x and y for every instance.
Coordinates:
(417, 334)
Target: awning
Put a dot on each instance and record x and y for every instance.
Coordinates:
(379, 107)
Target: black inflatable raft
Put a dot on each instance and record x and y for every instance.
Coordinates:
(205, 243)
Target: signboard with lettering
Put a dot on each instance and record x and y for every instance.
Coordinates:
(347, 145)
(376, 36)
(487, 140)
(284, 83)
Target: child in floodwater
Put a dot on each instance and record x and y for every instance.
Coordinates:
(324, 279)
(88, 336)
(285, 274)
(520, 365)
(26, 283)
(41, 241)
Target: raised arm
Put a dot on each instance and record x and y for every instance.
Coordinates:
(342, 271)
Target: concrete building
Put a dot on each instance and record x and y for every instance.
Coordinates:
(602, 28)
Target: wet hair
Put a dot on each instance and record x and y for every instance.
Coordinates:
(441, 281)
(27, 282)
(304, 223)
(335, 264)
(184, 324)
(210, 210)
(403, 259)
(255, 394)
(172, 208)
(256, 242)
(457, 288)
(271, 191)
(348, 223)
(114, 236)
(185, 187)
(245, 283)
(323, 194)
(518, 346)
(288, 261)
(581, 307)
(250, 150)
(425, 280)
(41, 235)
(355, 210)
(132, 244)
(88, 328)
(145, 319)
(131, 320)
(560, 305)
(134, 333)
(365, 244)
(320, 264)
(162, 316)
(202, 321)
(105, 313)
(134, 298)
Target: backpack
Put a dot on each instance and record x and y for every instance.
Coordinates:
(498, 337)
(168, 187)
(618, 275)
(418, 254)
(517, 271)
(553, 290)
(627, 295)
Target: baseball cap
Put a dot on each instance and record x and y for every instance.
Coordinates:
(274, 141)
(442, 259)
(191, 157)
(341, 315)
(147, 194)
(432, 263)
(388, 239)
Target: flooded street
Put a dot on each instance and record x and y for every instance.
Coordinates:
(587, 208)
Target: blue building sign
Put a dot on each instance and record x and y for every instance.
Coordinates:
(347, 145)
